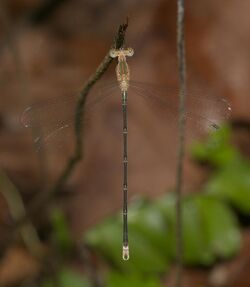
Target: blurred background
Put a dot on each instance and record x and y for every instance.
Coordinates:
(48, 49)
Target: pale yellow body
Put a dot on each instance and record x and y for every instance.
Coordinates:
(122, 68)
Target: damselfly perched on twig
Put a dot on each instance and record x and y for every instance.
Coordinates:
(204, 114)
(123, 77)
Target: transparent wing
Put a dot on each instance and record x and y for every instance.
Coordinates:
(60, 110)
(204, 112)
(195, 98)
(52, 119)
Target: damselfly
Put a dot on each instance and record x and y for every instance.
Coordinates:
(204, 114)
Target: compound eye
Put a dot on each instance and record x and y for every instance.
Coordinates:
(130, 52)
(113, 53)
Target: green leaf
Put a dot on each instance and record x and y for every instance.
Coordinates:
(61, 233)
(166, 205)
(144, 255)
(195, 249)
(67, 278)
(232, 184)
(209, 228)
(106, 239)
(220, 227)
(217, 150)
(47, 283)
(150, 223)
(193, 239)
(131, 280)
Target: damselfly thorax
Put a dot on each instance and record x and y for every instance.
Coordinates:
(122, 68)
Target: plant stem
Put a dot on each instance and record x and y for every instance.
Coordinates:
(181, 148)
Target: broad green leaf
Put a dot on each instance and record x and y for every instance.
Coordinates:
(166, 205)
(131, 280)
(220, 227)
(193, 238)
(67, 278)
(195, 249)
(217, 149)
(202, 229)
(60, 233)
(144, 256)
(106, 238)
(70, 278)
(232, 184)
(149, 221)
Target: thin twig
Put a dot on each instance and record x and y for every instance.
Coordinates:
(12, 43)
(181, 148)
(42, 199)
(17, 210)
(11, 36)
(13, 197)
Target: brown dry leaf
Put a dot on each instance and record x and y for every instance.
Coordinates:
(16, 266)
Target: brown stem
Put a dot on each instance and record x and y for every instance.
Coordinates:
(181, 148)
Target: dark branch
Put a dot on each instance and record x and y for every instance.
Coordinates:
(181, 148)
(118, 43)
